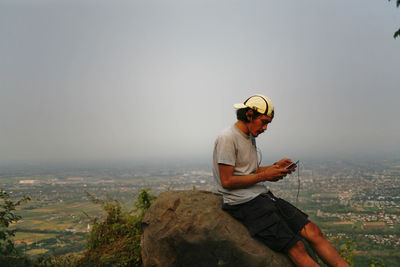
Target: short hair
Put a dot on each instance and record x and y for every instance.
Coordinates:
(241, 114)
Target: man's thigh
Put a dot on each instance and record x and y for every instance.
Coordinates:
(294, 217)
(262, 216)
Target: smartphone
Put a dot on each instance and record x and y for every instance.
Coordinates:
(292, 165)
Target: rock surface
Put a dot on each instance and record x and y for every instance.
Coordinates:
(188, 228)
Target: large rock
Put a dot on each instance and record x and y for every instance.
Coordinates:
(188, 228)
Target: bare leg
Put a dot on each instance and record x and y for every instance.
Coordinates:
(324, 249)
(299, 256)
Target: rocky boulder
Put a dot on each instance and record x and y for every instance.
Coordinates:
(188, 228)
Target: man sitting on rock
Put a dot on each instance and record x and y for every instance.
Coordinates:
(239, 178)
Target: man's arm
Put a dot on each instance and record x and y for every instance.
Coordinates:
(263, 168)
(228, 180)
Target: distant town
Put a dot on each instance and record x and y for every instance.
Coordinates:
(356, 202)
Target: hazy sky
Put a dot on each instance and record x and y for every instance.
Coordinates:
(157, 79)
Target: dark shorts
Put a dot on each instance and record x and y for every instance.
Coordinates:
(274, 221)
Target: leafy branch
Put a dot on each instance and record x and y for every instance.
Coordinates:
(397, 33)
(8, 253)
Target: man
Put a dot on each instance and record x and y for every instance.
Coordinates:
(239, 178)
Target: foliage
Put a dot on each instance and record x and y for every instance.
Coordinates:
(376, 263)
(70, 259)
(8, 252)
(397, 33)
(346, 250)
(143, 204)
(115, 241)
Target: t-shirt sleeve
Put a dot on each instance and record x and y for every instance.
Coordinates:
(225, 150)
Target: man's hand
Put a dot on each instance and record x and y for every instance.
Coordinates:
(284, 162)
(274, 173)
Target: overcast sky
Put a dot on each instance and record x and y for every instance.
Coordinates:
(148, 80)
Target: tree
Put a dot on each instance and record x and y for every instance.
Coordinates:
(8, 252)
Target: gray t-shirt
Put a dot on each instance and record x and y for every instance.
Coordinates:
(235, 148)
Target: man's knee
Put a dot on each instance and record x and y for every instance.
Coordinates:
(297, 249)
(299, 256)
(311, 232)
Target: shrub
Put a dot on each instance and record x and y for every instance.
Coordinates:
(8, 252)
(115, 241)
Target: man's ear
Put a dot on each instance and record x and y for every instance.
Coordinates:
(249, 115)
